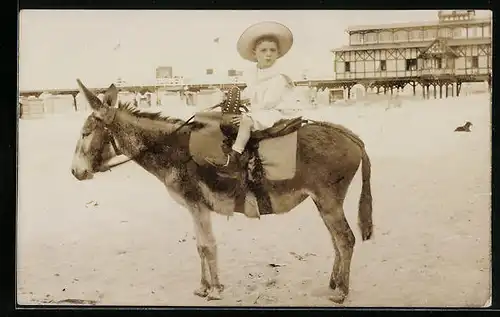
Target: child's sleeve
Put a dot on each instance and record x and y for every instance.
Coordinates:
(279, 91)
(246, 93)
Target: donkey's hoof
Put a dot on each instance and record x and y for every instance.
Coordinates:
(367, 233)
(338, 296)
(202, 291)
(214, 294)
(333, 284)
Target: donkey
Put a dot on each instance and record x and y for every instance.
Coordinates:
(328, 157)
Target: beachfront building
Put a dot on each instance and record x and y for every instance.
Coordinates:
(455, 48)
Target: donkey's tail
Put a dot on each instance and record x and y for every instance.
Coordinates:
(365, 200)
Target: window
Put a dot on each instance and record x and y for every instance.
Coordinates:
(472, 62)
(430, 34)
(383, 65)
(385, 36)
(445, 33)
(450, 63)
(401, 36)
(347, 66)
(459, 32)
(370, 38)
(411, 64)
(438, 63)
(473, 31)
(356, 38)
(475, 62)
(415, 35)
(486, 31)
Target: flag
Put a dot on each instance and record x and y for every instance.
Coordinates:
(234, 73)
(164, 72)
(209, 71)
(216, 40)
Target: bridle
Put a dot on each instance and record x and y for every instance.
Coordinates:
(113, 141)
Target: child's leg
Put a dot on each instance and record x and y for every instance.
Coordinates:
(232, 168)
(244, 132)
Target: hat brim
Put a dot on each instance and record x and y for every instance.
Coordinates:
(247, 40)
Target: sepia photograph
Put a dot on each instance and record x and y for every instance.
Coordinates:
(242, 158)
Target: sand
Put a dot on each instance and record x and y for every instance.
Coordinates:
(119, 239)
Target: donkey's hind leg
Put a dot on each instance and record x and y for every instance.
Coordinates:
(207, 249)
(343, 239)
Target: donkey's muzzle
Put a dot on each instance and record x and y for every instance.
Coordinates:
(81, 174)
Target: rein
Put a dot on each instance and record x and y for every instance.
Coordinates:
(114, 145)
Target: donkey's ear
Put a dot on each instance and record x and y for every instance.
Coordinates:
(94, 101)
(111, 96)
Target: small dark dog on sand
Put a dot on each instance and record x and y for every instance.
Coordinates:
(464, 128)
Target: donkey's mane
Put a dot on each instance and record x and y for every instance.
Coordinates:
(156, 116)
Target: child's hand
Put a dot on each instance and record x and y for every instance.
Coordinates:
(236, 120)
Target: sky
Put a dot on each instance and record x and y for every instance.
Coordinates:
(58, 46)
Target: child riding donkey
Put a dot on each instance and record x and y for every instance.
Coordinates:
(268, 90)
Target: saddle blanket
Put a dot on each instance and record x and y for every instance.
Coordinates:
(278, 155)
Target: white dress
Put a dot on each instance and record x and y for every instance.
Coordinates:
(270, 93)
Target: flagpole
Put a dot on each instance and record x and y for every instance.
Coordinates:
(118, 64)
(217, 65)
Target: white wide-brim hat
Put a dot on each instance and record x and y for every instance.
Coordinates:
(247, 40)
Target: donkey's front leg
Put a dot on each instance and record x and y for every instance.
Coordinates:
(207, 249)
(204, 288)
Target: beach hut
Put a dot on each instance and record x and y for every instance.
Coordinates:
(32, 107)
(82, 103)
(59, 104)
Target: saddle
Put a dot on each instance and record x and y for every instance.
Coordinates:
(255, 180)
(232, 107)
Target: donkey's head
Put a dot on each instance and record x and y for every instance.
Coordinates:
(95, 144)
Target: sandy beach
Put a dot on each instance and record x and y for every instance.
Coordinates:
(119, 239)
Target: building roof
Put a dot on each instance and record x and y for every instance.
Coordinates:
(379, 46)
(359, 28)
(450, 42)
(438, 46)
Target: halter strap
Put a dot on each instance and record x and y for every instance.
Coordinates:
(109, 116)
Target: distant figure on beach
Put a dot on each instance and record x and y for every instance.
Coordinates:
(393, 102)
(464, 128)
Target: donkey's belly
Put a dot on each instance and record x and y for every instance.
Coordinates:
(221, 203)
(224, 205)
(285, 202)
